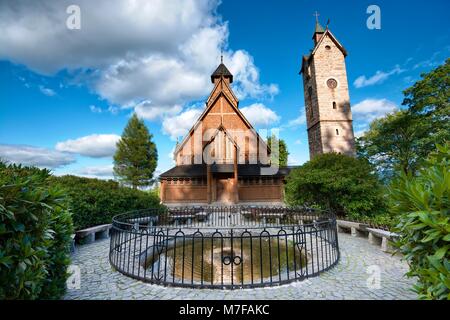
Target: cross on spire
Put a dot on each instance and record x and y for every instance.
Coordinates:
(221, 55)
(317, 16)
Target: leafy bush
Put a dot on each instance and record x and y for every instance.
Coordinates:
(93, 201)
(344, 184)
(423, 203)
(384, 220)
(35, 229)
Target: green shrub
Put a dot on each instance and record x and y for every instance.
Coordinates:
(423, 203)
(35, 229)
(344, 184)
(93, 201)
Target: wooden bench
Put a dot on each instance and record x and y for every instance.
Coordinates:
(377, 236)
(89, 235)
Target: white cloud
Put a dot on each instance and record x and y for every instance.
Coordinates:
(370, 109)
(179, 125)
(247, 77)
(149, 111)
(298, 141)
(378, 77)
(96, 145)
(37, 36)
(105, 171)
(153, 56)
(292, 161)
(35, 156)
(296, 122)
(47, 91)
(95, 109)
(260, 115)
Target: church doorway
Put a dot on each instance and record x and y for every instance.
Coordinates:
(224, 188)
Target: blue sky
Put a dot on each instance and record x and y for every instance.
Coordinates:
(67, 94)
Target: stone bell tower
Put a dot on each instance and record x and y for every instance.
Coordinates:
(327, 101)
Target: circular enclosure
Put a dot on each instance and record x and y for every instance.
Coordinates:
(224, 247)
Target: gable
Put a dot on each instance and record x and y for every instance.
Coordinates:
(221, 111)
(329, 35)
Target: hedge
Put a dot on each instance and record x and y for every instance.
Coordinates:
(93, 201)
(35, 230)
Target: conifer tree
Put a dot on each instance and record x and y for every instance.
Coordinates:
(136, 156)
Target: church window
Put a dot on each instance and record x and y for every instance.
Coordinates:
(332, 83)
(337, 132)
(328, 47)
(334, 104)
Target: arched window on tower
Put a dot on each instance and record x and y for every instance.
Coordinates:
(334, 104)
(337, 132)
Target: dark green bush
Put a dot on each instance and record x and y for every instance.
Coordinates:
(423, 203)
(93, 201)
(343, 184)
(35, 229)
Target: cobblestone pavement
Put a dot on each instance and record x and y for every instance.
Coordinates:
(347, 280)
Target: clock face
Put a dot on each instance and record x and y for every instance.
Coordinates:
(332, 83)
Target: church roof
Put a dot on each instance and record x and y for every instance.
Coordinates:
(199, 170)
(222, 71)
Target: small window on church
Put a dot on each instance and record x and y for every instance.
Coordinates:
(337, 132)
(334, 104)
(328, 47)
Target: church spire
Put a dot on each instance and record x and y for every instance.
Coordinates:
(221, 71)
(318, 30)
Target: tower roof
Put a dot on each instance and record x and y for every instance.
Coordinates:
(318, 28)
(222, 71)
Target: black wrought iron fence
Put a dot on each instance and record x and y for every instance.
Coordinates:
(224, 247)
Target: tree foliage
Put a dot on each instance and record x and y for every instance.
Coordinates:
(344, 184)
(392, 143)
(429, 98)
(94, 201)
(283, 153)
(136, 157)
(400, 141)
(423, 204)
(35, 235)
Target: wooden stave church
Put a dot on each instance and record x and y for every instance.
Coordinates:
(238, 177)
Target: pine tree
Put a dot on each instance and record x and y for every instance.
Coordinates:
(282, 158)
(136, 157)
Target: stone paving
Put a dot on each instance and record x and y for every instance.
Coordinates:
(347, 280)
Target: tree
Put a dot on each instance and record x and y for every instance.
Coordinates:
(400, 141)
(283, 153)
(422, 203)
(136, 157)
(343, 184)
(429, 99)
(391, 143)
